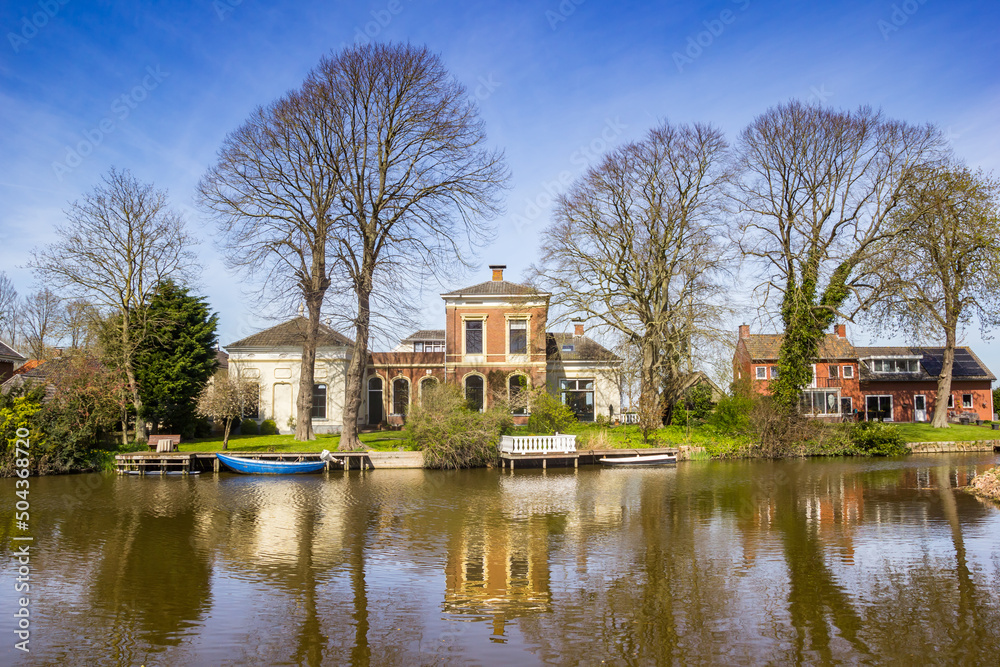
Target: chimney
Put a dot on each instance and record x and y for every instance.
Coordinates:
(744, 331)
(840, 330)
(498, 271)
(578, 327)
(57, 352)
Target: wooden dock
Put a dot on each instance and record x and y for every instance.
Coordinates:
(585, 456)
(158, 463)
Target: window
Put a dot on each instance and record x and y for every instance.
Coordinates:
(879, 408)
(951, 400)
(762, 372)
(967, 401)
(518, 336)
(895, 365)
(848, 371)
(567, 348)
(834, 371)
(846, 405)
(474, 392)
(428, 346)
(400, 396)
(579, 396)
(319, 401)
(820, 402)
(473, 336)
(517, 385)
(251, 403)
(774, 372)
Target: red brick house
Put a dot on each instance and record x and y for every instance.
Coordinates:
(892, 383)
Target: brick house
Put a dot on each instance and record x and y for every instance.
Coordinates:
(494, 344)
(892, 383)
(9, 360)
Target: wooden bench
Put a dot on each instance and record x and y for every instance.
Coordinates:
(163, 443)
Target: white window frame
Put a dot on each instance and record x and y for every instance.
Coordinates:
(465, 352)
(761, 372)
(951, 401)
(848, 372)
(773, 370)
(892, 406)
(972, 402)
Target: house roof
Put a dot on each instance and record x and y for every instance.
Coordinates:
(967, 365)
(292, 334)
(497, 288)
(29, 365)
(7, 353)
(584, 349)
(765, 347)
(425, 334)
(222, 359)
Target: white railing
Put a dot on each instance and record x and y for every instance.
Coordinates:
(629, 417)
(538, 444)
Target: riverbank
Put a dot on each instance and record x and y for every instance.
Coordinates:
(986, 485)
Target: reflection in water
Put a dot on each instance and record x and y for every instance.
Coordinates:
(709, 562)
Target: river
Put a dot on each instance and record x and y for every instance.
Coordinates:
(717, 562)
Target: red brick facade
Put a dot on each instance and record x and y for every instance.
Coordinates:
(855, 387)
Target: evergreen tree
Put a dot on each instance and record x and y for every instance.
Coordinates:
(177, 358)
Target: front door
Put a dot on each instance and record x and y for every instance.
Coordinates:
(375, 414)
(920, 408)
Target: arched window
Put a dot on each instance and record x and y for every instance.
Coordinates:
(400, 396)
(474, 392)
(425, 384)
(517, 387)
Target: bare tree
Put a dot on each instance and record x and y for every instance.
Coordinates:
(8, 310)
(817, 188)
(77, 326)
(40, 317)
(274, 191)
(225, 398)
(942, 267)
(120, 241)
(634, 245)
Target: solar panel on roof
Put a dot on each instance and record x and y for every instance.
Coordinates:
(965, 364)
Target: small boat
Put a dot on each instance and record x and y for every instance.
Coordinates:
(264, 467)
(640, 460)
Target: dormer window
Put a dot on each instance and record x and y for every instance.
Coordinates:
(567, 348)
(895, 365)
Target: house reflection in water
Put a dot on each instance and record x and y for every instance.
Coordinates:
(494, 573)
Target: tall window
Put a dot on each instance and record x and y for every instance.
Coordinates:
(251, 403)
(518, 336)
(834, 370)
(579, 396)
(319, 401)
(426, 384)
(473, 336)
(518, 398)
(474, 392)
(400, 396)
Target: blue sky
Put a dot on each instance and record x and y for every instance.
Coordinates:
(155, 86)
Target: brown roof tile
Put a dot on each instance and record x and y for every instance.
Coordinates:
(9, 353)
(497, 288)
(584, 349)
(292, 334)
(765, 347)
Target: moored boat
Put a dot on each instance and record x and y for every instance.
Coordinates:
(262, 467)
(640, 460)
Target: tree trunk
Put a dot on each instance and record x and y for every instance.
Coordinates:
(133, 386)
(228, 422)
(944, 379)
(307, 372)
(650, 414)
(356, 372)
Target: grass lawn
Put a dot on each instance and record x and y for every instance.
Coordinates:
(590, 436)
(382, 441)
(924, 433)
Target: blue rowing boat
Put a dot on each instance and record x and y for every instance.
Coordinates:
(262, 467)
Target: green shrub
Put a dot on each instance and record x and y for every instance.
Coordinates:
(698, 400)
(732, 413)
(249, 427)
(681, 416)
(549, 414)
(268, 427)
(452, 436)
(877, 439)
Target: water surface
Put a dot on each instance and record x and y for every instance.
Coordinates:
(805, 562)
